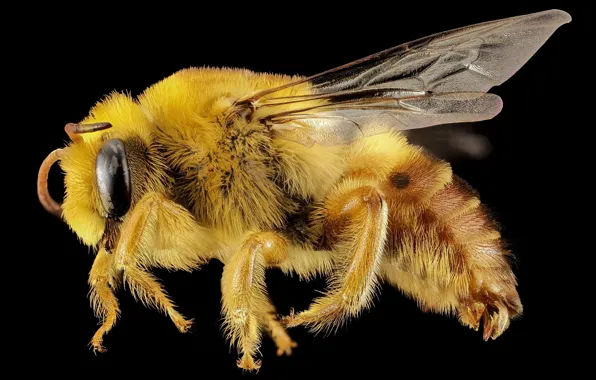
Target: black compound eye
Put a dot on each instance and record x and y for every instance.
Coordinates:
(113, 178)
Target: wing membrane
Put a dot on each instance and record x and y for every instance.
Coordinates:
(342, 123)
(413, 85)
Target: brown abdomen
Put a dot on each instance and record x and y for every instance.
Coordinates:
(444, 250)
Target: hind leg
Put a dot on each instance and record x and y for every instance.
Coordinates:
(245, 303)
(356, 217)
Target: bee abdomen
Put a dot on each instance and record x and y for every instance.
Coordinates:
(444, 247)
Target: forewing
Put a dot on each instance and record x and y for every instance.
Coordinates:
(439, 79)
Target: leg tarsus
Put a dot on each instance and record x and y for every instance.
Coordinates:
(278, 334)
(183, 325)
(248, 363)
(327, 311)
(284, 343)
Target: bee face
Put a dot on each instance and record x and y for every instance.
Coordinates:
(107, 165)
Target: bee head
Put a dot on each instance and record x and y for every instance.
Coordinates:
(107, 166)
(112, 173)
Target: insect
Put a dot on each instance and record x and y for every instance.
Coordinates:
(312, 175)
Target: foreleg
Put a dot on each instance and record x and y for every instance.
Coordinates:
(103, 300)
(158, 232)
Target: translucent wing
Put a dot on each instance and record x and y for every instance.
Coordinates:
(345, 121)
(439, 79)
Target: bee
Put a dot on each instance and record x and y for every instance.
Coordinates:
(314, 176)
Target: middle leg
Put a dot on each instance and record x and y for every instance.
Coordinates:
(246, 305)
(356, 219)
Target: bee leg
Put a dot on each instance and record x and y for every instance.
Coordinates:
(103, 300)
(361, 215)
(277, 332)
(137, 236)
(244, 293)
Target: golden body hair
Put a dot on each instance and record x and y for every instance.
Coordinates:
(309, 175)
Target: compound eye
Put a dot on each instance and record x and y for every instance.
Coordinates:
(113, 178)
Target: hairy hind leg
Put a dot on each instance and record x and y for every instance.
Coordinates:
(356, 217)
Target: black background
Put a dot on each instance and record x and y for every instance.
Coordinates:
(104, 49)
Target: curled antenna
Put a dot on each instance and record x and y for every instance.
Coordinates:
(45, 198)
(74, 131)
